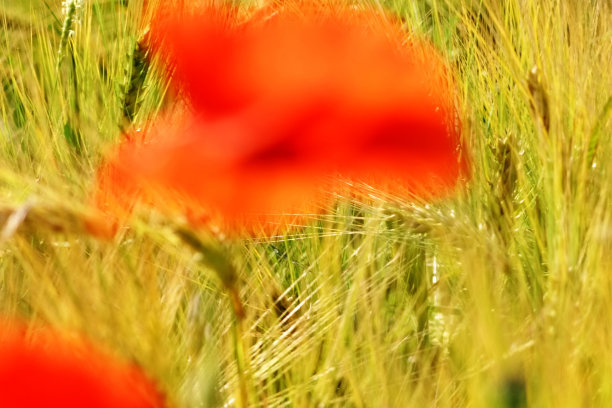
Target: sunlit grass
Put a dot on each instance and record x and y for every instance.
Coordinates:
(499, 296)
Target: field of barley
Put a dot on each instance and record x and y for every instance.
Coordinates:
(495, 294)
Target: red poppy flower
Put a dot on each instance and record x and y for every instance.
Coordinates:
(281, 105)
(45, 368)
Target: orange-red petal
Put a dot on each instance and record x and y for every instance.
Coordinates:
(47, 368)
(282, 106)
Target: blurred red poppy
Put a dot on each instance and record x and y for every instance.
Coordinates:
(281, 105)
(45, 368)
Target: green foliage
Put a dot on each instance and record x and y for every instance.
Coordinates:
(500, 296)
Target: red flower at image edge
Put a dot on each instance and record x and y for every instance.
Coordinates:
(280, 108)
(45, 368)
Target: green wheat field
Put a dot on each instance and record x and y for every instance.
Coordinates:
(498, 296)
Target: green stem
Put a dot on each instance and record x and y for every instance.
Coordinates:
(214, 257)
(240, 352)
